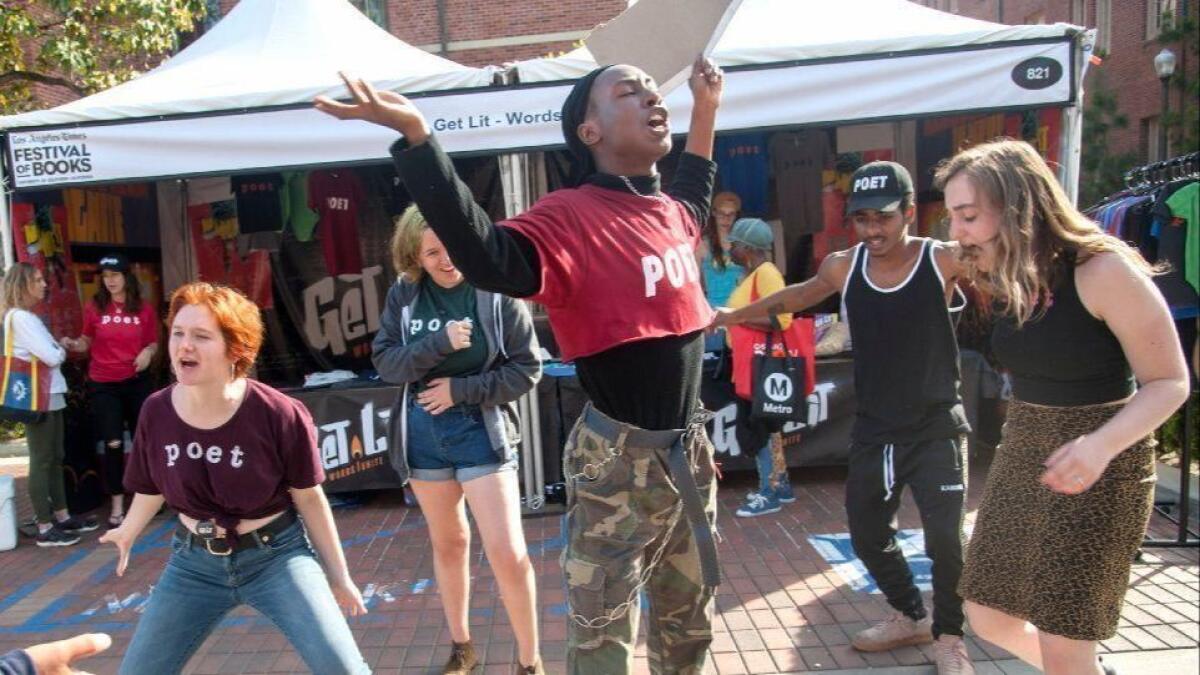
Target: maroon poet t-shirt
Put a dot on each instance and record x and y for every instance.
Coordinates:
(240, 470)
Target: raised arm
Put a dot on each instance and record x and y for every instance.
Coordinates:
(490, 257)
(693, 184)
(829, 280)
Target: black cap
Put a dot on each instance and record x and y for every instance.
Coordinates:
(115, 262)
(879, 186)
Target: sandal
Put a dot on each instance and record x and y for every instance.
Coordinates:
(115, 521)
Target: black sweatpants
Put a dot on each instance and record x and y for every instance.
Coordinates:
(115, 407)
(936, 472)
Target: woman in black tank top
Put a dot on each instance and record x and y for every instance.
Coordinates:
(1070, 490)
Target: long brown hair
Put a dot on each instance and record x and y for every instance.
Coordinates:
(1040, 229)
(133, 294)
(17, 280)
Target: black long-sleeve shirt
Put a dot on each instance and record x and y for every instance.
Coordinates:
(652, 383)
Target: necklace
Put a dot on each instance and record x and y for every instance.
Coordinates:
(629, 184)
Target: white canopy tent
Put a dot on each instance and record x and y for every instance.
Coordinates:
(237, 100)
(792, 63)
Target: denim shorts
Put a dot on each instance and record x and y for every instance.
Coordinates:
(451, 446)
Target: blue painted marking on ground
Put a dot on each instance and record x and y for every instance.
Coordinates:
(837, 550)
(160, 537)
(25, 590)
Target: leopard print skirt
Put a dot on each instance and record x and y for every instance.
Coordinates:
(1059, 561)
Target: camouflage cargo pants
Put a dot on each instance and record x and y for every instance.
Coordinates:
(626, 529)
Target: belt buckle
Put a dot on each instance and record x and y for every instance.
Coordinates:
(206, 530)
(208, 547)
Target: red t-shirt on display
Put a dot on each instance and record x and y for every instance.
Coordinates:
(117, 338)
(616, 267)
(241, 470)
(336, 196)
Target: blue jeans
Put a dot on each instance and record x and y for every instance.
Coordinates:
(282, 580)
(453, 445)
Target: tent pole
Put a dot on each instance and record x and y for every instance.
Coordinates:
(1071, 145)
(6, 233)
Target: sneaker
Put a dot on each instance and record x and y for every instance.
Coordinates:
(759, 504)
(895, 631)
(462, 659)
(56, 537)
(950, 654)
(784, 493)
(75, 524)
(535, 669)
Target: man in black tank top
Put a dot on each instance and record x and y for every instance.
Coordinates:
(897, 293)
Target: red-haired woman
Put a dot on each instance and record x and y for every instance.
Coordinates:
(238, 461)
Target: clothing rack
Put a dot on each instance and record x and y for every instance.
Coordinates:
(1167, 170)
(1137, 179)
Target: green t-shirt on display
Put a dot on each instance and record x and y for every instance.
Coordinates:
(1185, 204)
(296, 214)
(435, 306)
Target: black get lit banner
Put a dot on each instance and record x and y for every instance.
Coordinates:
(352, 436)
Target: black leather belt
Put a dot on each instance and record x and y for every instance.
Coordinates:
(252, 539)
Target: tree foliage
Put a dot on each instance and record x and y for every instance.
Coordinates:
(1102, 169)
(85, 45)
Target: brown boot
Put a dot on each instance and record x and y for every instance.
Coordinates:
(462, 659)
(535, 669)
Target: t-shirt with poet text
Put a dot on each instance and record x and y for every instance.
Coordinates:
(117, 337)
(241, 470)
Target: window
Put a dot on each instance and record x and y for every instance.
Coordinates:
(1104, 26)
(1156, 10)
(1150, 141)
(376, 10)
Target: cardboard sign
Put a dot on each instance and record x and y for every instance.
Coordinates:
(638, 37)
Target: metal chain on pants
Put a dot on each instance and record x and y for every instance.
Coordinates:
(590, 472)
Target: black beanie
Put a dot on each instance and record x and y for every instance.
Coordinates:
(574, 111)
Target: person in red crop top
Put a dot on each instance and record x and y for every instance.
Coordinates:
(611, 258)
(121, 332)
(238, 461)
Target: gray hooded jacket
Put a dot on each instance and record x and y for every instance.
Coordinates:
(512, 367)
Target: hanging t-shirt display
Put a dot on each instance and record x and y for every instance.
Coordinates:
(301, 219)
(435, 306)
(337, 197)
(742, 168)
(217, 259)
(259, 207)
(1185, 205)
(797, 160)
(1171, 232)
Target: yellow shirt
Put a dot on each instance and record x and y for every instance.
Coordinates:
(763, 281)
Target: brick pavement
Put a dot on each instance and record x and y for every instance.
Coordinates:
(782, 608)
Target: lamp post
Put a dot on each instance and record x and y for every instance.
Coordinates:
(1164, 66)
